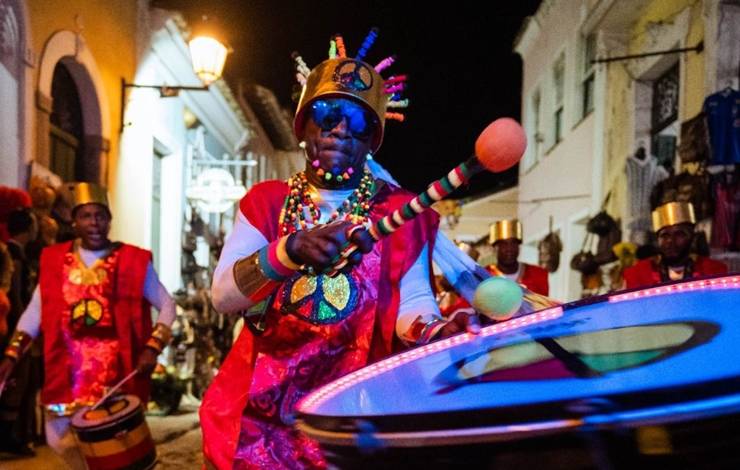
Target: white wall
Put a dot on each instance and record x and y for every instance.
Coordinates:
(9, 136)
(563, 181)
(152, 121)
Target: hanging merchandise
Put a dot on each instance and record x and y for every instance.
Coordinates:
(604, 247)
(549, 249)
(684, 187)
(643, 173)
(584, 261)
(694, 146)
(723, 119)
(601, 224)
(726, 220)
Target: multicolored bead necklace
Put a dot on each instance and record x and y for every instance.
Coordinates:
(298, 202)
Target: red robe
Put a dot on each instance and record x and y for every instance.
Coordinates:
(646, 272)
(130, 314)
(533, 278)
(241, 401)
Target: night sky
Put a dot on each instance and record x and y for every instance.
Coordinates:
(462, 71)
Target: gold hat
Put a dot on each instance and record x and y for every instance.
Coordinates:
(673, 213)
(505, 229)
(344, 78)
(86, 193)
(341, 76)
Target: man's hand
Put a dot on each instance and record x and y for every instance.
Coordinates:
(147, 361)
(461, 320)
(321, 246)
(6, 368)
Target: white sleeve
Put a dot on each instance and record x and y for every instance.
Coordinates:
(243, 241)
(417, 299)
(158, 296)
(30, 321)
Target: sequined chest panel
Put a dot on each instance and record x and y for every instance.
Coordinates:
(87, 291)
(324, 300)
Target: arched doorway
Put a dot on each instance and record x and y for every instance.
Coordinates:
(72, 112)
(66, 132)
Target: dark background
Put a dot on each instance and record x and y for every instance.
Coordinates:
(462, 71)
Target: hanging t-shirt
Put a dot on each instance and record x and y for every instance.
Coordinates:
(723, 117)
(726, 220)
(642, 176)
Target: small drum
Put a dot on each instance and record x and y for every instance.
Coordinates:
(646, 377)
(115, 435)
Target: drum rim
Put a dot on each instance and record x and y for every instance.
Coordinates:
(435, 427)
(676, 413)
(544, 411)
(135, 412)
(444, 436)
(313, 400)
(660, 288)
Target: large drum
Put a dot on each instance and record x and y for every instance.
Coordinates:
(115, 436)
(648, 377)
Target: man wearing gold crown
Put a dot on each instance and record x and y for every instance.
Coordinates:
(315, 312)
(92, 306)
(674, 226)
(506, 237)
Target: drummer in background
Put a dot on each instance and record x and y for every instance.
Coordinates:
(506, 238)
(304, 328)
(92, 306)
(674, 227)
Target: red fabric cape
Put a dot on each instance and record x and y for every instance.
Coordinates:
(645, 272)
(225, 399)
(130, 310)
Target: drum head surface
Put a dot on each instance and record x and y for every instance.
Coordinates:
(112, 411)
(617, 355)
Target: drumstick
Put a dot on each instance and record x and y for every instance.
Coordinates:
(114, 389)
(499, 147)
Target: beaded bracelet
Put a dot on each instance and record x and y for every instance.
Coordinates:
(19, 344)
(259, 274)
(422, 332)
(160, 337)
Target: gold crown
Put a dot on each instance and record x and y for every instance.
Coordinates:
(505, 229)
(673, 213)
(344, 77)
(341, 76)
(86, 193)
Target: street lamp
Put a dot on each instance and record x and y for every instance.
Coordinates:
(207, 56)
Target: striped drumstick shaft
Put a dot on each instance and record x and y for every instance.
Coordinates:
(436, 191)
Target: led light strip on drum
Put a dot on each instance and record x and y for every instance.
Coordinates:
(312, 401)
(728, 282)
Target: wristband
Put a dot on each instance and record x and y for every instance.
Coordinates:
(18, 345)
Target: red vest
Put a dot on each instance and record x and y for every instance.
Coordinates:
(646, 272)
(133, 322)
(227, 395)
(533, 278)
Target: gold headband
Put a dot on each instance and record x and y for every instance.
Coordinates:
(673, 213)
(86, 193)
(505, 229)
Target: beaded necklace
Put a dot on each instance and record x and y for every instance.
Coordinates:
(298, 203)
